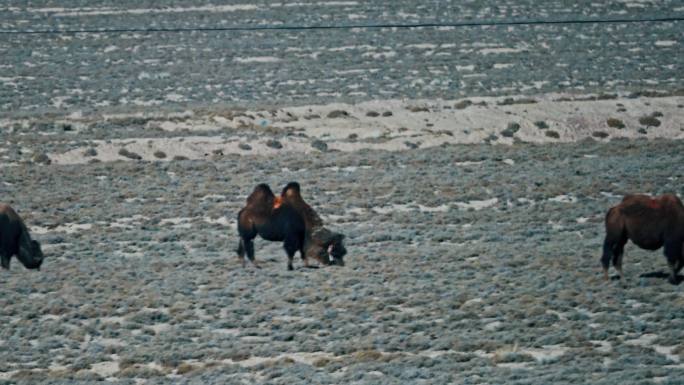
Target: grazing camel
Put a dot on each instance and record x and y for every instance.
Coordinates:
(650, 223)
(16, 240)
(289, 220)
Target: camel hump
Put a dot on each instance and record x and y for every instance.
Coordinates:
(9, 212)
(642, 205)
(5, 208)
(292, 191)
(261, 195)
(670, 200)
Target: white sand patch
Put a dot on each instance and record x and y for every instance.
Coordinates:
(294, 319)
(513, 365)
(564, 199)
(69, 228)
(493, 326)
(665, 43)
(160, 327)
(106, 368)
(227, 331)
(472, 301)
(602, 346)
(257, 59)
(647, 340)
(573, 120)
(113, 319)
(500, 50)
(477, 204)
(546, 352)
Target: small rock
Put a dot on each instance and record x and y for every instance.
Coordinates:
(419, 109)
(274, 144)
(372, 114)
(599, 134)
(319, 145)
(615, 123)
(463, 104)
(649, 121)
(160, 154)
(411, 145)
(387, 113)
(41, 158)
(180, 157)
(541, 125)
(510, 130)
(338, 114)
(90, 152)
(128, 154)
(244, 146)
(553, 134)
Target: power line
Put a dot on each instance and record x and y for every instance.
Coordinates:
(459, 24)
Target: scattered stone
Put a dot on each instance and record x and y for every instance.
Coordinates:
(353, 137)
(599, 134)
(312, 116)
(372, 114)
(552, 134)
(642, 130)
(411, 145)
(463, 104)
(510, 130)
(244, 146)
(319, 145)
(41, 158)
(418, 109)
(511, 101)
(90, 152)
(159, 154)
(387, 113)
(540, 124)
(272, 143)
(180, 157)
(649, 121)
(615, 123)
(338, 114)
(128, 154)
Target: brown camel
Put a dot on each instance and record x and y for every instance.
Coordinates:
(650, 223)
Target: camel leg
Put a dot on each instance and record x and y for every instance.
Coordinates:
(5, 261)
(241, 252)
(618, 252)
(680, 264)
(249, 248)
(291, 247)
(673, 253)
(608, 245)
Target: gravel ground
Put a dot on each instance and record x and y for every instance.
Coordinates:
(129, 155)
(468, 264)
(91, 72)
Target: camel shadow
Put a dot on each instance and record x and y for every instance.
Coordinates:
(661, 274)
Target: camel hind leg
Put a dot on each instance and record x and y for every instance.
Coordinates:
(614, 243)
(241, 251)
(618, 253)
(673, 253)
(613, 249)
